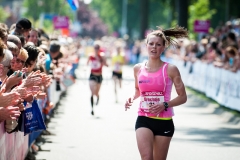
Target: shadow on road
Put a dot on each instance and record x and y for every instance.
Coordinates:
(220, 136)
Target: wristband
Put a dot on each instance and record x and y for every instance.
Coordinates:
(165, 104)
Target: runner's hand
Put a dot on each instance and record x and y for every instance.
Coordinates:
(157, 108)
(128, 103)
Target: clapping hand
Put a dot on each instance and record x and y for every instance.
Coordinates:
(7, 99)
(9, 113)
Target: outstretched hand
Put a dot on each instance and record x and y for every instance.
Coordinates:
(128, 103)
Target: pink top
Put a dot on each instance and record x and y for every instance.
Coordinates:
(154, 88)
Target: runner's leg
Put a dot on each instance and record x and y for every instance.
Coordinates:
(98, 86)
(161, 145)
(115, 87)
(145, 140)
(93, 88)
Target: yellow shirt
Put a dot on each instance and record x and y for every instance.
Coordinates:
(117, 62)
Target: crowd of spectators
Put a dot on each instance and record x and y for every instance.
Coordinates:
(30, 60)
(221, 48)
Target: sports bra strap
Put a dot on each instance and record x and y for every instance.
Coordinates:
(163, 73)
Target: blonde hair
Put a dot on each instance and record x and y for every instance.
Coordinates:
(232, 50)
(169, 35)
(2, 47)
(23, 53)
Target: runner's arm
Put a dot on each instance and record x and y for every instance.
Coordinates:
(136, 69)
(88, 61)
(174, 74)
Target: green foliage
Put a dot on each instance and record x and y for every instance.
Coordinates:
(157, 14)
(133, 18)
(55, 7)
(199, 10)
(3, 14)
(110, 12)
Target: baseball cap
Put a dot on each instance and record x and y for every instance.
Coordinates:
(24, 24)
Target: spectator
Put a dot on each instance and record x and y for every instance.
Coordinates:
(32, 57)
(19, 63)
(202, 48)
(3, 34)
(23, 27)
(233, 59)
(232, 40)
(34, 37)
(13, 48)
(15, 40)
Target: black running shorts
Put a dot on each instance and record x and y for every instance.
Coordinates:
(118, 75)
(97, 78)
(157, 126)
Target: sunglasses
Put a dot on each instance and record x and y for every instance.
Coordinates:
(20, 61)
(15, 55)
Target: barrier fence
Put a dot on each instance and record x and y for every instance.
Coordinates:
(219, 84)
(15, 146)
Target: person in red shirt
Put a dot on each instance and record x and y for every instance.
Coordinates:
(97, 61)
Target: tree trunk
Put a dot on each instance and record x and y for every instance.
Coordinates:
(182, 8)
(144, 17)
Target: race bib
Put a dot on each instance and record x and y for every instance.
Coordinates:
(117, 67)
(95, 64)
(149, 99)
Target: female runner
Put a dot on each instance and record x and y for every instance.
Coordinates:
(97, 61)
(117, 62)
(153, 84)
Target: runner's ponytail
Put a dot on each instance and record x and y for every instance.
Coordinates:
(175, 33)
(169, 35)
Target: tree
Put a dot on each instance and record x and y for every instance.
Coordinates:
(144, 18)
(3, 14)
(55, 7)
(141, 16)
(199, 10)
(182, 8)
(109, 11)
(92, 25)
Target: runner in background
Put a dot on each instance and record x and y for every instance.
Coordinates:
(117, 63)
(97, 61)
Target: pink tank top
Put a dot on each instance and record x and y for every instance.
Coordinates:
(154, 88)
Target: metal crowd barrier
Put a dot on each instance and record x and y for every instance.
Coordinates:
(219, 84)
(15, 146)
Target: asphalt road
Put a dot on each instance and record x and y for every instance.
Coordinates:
(203, 131)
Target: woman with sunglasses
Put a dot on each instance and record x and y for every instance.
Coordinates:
(97, 61)
(18, 63)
